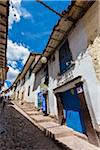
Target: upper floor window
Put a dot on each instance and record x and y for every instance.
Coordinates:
(29, 91)
(46, 75)
(18, 82)
(65, 57)
(23, 80)
(30, 72)
(31, 68)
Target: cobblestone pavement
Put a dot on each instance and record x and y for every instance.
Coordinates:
(17, 133)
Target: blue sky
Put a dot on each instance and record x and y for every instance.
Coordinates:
(30, 26)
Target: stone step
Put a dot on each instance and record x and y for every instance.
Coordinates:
(59, 131)
(33, 112)
(46, 125)
(76, 143)
(27, 109)
(40, 118)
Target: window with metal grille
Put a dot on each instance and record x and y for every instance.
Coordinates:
(65, 57)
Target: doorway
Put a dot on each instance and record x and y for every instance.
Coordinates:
(72, 110)
(76, 113)
(43, 102)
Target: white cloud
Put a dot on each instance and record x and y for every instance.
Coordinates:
(5, 87)
(22, 33)
(12, 74)
(13, 64)
(15, 53)
(25, 13)
(16, 11)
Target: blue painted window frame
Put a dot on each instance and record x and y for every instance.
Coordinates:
(65, 57)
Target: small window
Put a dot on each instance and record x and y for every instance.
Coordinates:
(30, 72)
(46, 75)
(29, 91)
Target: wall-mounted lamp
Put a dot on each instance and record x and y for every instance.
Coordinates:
(44, 60)
(14, 85)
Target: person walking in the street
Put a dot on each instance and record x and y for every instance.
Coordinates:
(1, 97)
(5, 99)
(3, 103)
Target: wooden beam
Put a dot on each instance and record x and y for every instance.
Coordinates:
(2, 43)
(3, 10)
(2, 62)
(1, 65)
(2, 46)
(71, 19)
(61, 31)
(51, 47)
(3, 3)
(2, 55)
(55, 39)
(1, 49)
(2, 22)
(2, 52)
(2, 36)
(47, 52)
(2, 28)
(2, 32)
(77, 6)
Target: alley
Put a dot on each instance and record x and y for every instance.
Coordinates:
(17, 133)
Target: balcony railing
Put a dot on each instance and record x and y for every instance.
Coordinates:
(65, 77)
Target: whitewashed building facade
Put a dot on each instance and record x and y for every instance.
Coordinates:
(74, 69)
(23, 86)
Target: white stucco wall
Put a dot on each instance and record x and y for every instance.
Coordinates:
(24, 88)
(29, 82)
(78, 42)
(38, 77)
(35, 95)
(53, 68)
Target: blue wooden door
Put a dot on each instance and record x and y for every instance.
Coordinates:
(71, 105)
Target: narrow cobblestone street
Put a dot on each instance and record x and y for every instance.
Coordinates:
(17, 133)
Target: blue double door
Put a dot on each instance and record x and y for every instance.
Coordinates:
(72, 110)
(42, 104)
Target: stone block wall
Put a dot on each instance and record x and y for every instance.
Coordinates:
(94, 50)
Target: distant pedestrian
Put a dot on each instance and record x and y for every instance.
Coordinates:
(3, 103)
(5, 99)
(1, 98)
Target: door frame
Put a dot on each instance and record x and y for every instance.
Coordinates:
(91, 133)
